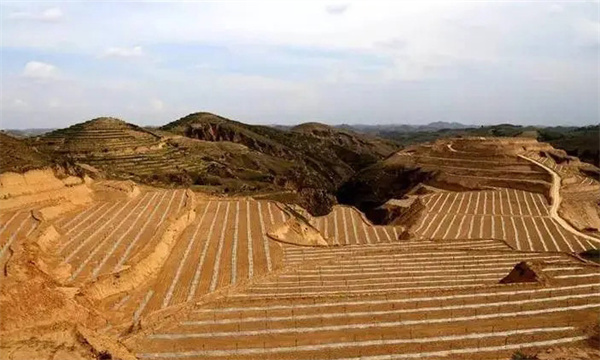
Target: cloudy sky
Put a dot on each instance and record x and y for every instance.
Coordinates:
(476, 62)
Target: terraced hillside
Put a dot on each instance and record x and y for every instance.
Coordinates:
(480, 271)
(323, 157)
(455, 165)
(418, 299)
(118, 148)
(578, 185)
(218, 155)
(519, 217)
(475, 163)
(99, 135)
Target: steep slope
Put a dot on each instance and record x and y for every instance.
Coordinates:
(126, 151)
(323, 157)
(215, 155)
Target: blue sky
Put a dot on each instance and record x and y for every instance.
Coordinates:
(286, 62)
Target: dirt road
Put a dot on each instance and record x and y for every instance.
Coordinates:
(556, 199)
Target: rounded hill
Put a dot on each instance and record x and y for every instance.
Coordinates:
(100, 134)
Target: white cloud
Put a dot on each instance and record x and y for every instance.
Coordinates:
(50, 15)
(40, 70)
(337, 9)
(19, 103)
(588, 32)
(555, 9)
(255, 83)
(122, 52)
(434, 51)
(157, 105)
(54, 103)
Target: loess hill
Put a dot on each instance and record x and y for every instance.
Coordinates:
(464, 164)
(474, 254)
(305, 165)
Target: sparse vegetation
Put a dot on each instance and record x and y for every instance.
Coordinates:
(521, 356)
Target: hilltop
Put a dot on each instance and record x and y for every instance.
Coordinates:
(220, 156)
(309, 139)
(98, 135)
(320, 161)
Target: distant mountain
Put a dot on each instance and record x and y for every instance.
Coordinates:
(434, 126)
(28, 132)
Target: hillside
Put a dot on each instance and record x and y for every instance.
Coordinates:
(311, 140)
(583, 142)
(322, 159)
(220, 156)
(18, 156)
(98, 135)
(478, 258)
(475, 163)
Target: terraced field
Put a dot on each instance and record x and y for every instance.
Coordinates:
(519, 217)
(104, 237)
(570, 175)
(419, 299)
(369, 296)
(488, 268)
(470, 163)
(14, 225)
(347, 226)
(97, 135)
(225, 246)
(162, 160)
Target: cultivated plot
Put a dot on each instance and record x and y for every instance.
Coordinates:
(389, 301)
(347, 226)
(225, 246)
(564, 171)
(107, 236)
(520, 218)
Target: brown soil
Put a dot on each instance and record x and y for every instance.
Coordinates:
(92, 269)
(525, 272)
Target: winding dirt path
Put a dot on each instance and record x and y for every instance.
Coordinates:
(556, 200)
